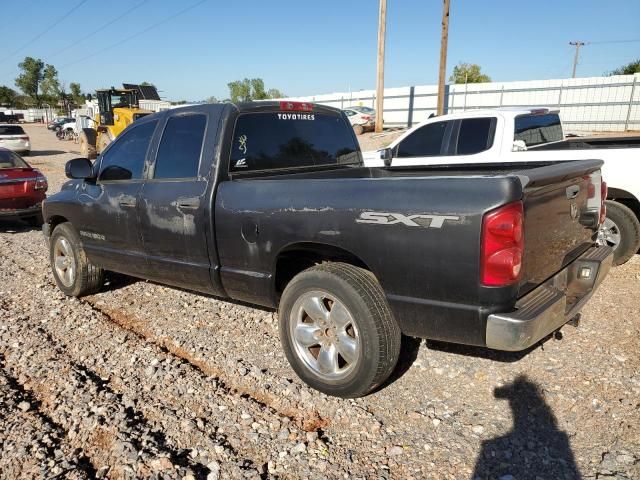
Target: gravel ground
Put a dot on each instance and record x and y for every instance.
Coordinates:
(143, 380)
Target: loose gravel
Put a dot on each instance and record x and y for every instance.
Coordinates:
(146, 381)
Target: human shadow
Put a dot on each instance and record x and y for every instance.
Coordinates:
(534, 448)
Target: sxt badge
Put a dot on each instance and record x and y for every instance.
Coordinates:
(385, 218)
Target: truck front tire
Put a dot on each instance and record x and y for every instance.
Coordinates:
(621, 231)
(73, 273)
(87, 142)
(337, 330)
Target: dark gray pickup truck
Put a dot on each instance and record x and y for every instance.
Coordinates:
(269, 203)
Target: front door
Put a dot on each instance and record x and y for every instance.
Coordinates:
(110, 230)
(175, 203)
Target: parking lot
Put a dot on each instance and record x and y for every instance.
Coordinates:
(142, 379)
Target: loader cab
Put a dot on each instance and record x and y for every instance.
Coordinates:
(110, 99)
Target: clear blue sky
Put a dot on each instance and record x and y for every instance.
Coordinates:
(308, 47)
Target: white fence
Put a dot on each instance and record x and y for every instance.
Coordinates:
(586, 104)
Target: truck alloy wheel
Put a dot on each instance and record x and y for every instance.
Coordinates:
(337, 329)
(621, 231)
(324, 335)
(72, 271)
(64, 262)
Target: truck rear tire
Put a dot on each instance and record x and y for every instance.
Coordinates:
(337, 330)
(87, 142)
(621, 231)
(72, 271)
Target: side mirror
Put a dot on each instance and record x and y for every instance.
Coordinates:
(114, 172)
(386, 155)
(519, 146)
(79, 168)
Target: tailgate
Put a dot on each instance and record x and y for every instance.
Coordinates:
(562, 208)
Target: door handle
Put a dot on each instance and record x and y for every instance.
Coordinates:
(127, 202)
(189, 203)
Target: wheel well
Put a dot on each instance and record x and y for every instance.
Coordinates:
(296, 258)
(626, 199)
(55, 221)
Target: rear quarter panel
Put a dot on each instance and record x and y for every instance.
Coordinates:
(416, 265)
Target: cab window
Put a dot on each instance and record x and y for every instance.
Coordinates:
(425, 142)
(124, 160)
(475, 135)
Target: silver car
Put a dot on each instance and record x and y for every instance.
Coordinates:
(13, 137)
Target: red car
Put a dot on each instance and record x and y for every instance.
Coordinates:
(22, 189)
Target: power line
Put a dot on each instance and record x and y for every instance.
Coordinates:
(131, 37)
(91, 34)
(632, 40)
(30, 42)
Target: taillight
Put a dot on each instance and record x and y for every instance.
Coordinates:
(502, 245)
(41, 182)
(603, 197)
(297, 106)
(366, 118)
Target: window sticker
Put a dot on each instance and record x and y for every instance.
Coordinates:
(243, 144)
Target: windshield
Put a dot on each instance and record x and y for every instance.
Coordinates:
(537, 129)
(122, 99)
(11, 130)
(8, 159)
(276, 140)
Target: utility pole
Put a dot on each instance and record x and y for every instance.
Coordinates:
(576, 44)
(443, 56)
(382, 23)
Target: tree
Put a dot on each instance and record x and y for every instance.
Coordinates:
(30, 78)
(275, 93)
(468, 73)
(628, 69)
(8, 96)
(211, 99)
(50, 85)
(76, 93)
(251, 89)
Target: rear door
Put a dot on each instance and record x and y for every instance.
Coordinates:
(174, 203)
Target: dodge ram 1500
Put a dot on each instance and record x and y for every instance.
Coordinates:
(270, 203)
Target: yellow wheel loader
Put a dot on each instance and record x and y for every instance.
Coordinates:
(117, 109)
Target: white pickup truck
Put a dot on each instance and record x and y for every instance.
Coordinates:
(528, 135)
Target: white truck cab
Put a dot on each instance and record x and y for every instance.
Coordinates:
(509, 135)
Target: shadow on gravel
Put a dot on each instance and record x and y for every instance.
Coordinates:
(534, 448)
(16, 226)
(408, 353)
(483, 352)
(115, 281)
(44, 153)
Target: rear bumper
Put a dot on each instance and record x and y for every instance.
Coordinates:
(551, 305)
(21, 212)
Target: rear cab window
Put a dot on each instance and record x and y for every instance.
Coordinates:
(537, 129)
(286, 140)
(8, 159)
(11, 130)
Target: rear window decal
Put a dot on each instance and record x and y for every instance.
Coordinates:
(296, 116)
